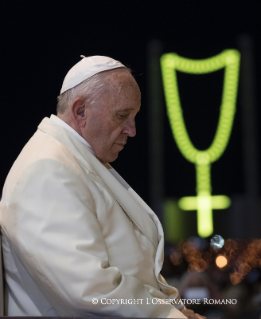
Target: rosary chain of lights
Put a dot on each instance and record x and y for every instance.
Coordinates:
(203, 202)
(203, 178)
(228, 59)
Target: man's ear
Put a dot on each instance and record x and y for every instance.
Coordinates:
(79, 111)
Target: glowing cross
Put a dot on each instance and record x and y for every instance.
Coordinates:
(228, 59)
(204, 202)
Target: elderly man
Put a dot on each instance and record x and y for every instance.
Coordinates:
(77, 240)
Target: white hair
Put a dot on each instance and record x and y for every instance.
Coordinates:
(90, 90)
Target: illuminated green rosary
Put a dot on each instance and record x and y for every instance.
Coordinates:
(228, 59)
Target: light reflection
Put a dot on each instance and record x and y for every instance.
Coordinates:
(221, 261)
(236, 256)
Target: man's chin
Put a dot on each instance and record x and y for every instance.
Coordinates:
(109, 158)
(113, 158)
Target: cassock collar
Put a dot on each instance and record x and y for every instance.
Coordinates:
(59, 121)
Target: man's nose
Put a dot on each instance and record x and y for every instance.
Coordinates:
(130, 129)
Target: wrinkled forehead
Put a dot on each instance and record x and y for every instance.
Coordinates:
(119, 79)
(120, 91)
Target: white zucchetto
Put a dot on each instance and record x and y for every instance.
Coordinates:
(87, 67)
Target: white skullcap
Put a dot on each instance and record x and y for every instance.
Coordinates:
(87, 67)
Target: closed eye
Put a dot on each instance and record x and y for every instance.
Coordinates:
(122, 116)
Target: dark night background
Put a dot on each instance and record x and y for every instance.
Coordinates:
(42, 40)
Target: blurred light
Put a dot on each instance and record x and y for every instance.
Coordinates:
(217, 242)
(241, 257)
(198, 242)
(235, 278)
(228, 59)
(198, 260)
(176, 257)
(221, 261)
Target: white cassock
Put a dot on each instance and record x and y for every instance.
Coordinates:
(73, 232)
